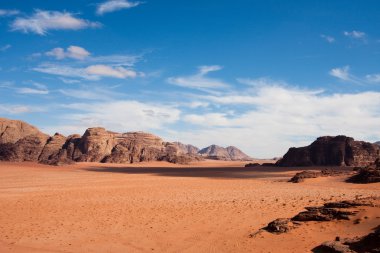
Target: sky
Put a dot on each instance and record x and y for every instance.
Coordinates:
(260, 75)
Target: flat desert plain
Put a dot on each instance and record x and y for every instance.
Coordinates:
(161, 207)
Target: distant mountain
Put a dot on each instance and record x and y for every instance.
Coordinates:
(186, 149)
(377, 143)
(230, 153)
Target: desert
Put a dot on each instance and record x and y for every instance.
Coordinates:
(135, 126)
(163, 207)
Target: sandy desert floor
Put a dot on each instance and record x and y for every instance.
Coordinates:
(160, 207)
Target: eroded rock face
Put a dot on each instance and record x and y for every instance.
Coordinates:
(219, 153)
(22, 142)
(186, 148)
(332, 151)
(12, 131)
(52, 148)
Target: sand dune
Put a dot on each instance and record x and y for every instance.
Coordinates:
(210, 206)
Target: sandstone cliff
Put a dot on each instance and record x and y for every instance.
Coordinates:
(332, 151)
(20, 141)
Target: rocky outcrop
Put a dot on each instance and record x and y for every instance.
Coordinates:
(332, 151)
(301, 176)
(219, 153)
(186, 148)
(279, 226)
(20, 141)
(52, 148)
(12, 131)
(367, 243)
(342, 210)
(369, 174)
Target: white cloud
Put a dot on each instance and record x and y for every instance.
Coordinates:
(262, 81)
(108, 71)
(92, 72)
(277, 117)
(65, 71)
(89, 93)
(375, 78)
(355, 34)
(58, 53)
(7, 13)
(18, 109)
(328, 38)
(43, 21)
(115, 5)
(120, 116)
(74, 52)
(5, 48)
(69, 81)
(341, 73)
(39, 89)
(115, 60)
(199, 80)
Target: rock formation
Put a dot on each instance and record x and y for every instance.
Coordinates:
(219, 153)
(332, 151)
(301, 176)
(369, 174)
(186, 148)
(367, 243)
(20, 141)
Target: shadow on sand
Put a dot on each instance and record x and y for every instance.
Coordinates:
(210, 172)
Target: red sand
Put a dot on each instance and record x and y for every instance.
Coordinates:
(160, 207)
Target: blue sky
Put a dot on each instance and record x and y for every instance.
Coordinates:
(260, 75)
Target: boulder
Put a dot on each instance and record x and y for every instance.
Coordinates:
(332, 151)
(279, 226)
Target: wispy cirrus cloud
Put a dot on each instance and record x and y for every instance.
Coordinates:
(200, 80)
(373, 78)
(92, 72)
(115, 5)
(355, 34)
(89, 93)
(8, 13)
(11, 109)
(5, 48)
(41, 21)
(38, 89)
(342, 73)
(328, 38)
(73, 52)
